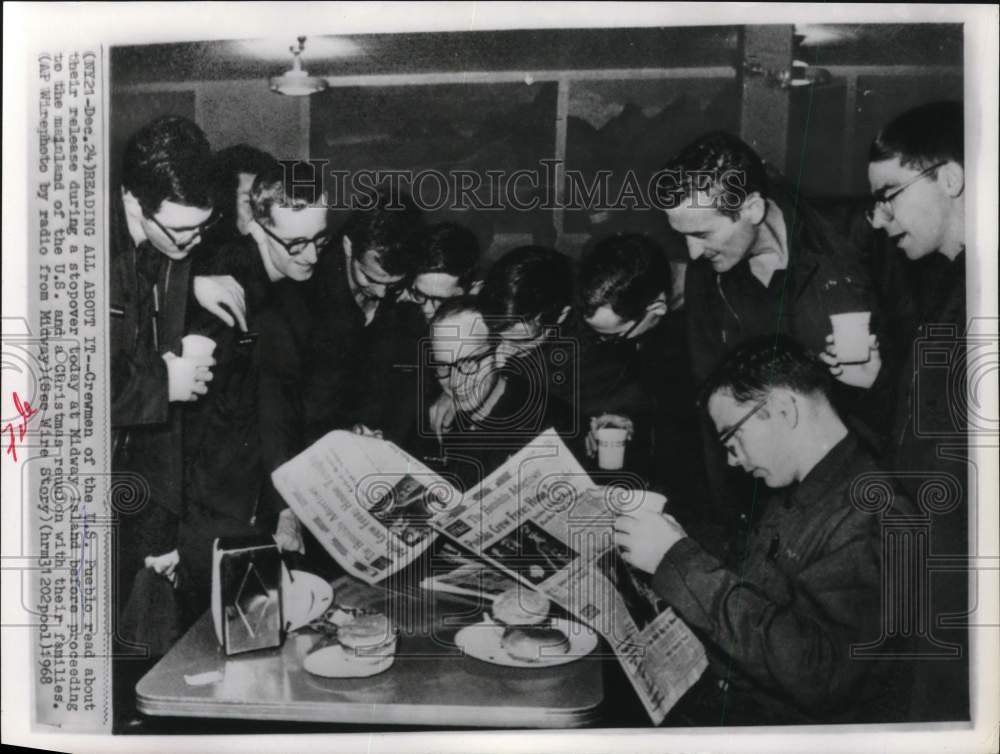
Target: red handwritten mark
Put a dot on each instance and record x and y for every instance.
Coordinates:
(26, 412)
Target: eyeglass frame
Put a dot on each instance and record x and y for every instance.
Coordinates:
(726, 437)
(392, 290)
(198, 231)
(472, 361)
(886, 200)
(319, 241)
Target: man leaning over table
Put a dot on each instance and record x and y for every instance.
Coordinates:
(779, 626)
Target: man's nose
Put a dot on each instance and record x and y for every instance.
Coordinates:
(696, 249)
(428, 308)
(310, 253)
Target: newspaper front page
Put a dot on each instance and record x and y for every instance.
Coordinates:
(538, 518)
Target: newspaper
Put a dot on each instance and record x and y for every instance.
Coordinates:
(538, 519)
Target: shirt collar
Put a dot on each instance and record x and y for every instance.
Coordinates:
(826, 474)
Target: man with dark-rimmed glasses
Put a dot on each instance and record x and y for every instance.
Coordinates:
(781, 626)
(247, 424)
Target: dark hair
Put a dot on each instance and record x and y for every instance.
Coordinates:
(757, 366)
(721, 165)
(230, 163)
(923, 136)
(391, 228)
(527, 284)
(168, 159)
(625, 272)
(452, 249)
(275, 186)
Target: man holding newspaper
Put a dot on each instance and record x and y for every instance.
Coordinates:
(781, 629)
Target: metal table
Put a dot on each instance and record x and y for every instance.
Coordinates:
(431, 682)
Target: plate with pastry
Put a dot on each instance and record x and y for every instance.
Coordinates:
(540, 645)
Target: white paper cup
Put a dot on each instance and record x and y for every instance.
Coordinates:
(197, 345)
(850, 336)
(611, 447)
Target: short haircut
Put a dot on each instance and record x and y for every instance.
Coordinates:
(452, 249)
(275, 186)
(624, 272)
(761, 364)
(168, 159)
(230, 163)
(528, 284)
(721, 165)
(391, 228)
(923, 136)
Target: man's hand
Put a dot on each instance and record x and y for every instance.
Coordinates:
(606, 420)
(288, 535)
(165, 565)
(361, 429)
(861, 375)
(187, 375)
(215, 292)
(645, 537)
(442, 415)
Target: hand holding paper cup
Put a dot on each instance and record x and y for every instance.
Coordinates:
(851, 336)
(197, 346)
(609, 434)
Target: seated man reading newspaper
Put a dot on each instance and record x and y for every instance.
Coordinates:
(779, 627)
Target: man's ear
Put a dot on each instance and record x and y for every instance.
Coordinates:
(347, 246)
(951, 176)
(754, 208)
(563, 315)
(786, 407)
(132, 206)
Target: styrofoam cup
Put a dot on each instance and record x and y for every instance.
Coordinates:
(851, 335)
(197, 345)
(611, 447)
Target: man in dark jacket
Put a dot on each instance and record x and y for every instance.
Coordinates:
(250, 421)
(634, 366)
(783, 628)
(917, 176)
(157, 219)
(359, 334)
(762, 262)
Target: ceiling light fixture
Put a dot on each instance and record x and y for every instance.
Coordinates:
(297, 82)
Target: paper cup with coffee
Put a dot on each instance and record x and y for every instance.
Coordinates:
(851, 335)
(611, 443)
(197, 346)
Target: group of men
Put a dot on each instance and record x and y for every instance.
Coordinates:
(390, 326)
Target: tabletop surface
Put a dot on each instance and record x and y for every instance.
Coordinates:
(431, 681)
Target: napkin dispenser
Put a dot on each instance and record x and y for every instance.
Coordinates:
(246, 593)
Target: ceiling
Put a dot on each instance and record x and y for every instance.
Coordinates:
(527, 50)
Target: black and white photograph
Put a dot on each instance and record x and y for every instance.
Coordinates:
(712, 256)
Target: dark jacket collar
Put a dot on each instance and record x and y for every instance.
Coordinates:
(827, 474)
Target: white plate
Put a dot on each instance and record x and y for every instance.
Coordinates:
(303, 599)
(482, 641)
(333, 662)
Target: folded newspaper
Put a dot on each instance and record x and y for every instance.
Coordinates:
(538, 519)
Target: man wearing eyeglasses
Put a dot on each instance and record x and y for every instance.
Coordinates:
(448, 259)
(917, 177)
(158, 216)
(248, 423)
(780, 625)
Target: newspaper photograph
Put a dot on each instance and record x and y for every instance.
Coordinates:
(500, 376)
